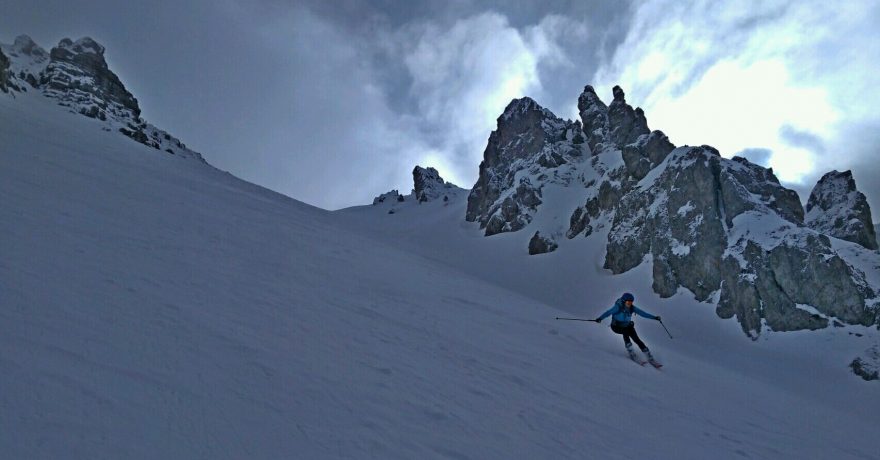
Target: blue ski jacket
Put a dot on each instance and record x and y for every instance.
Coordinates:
(622, 315)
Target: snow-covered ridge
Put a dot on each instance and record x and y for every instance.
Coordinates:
(724, 229)
(76, 75)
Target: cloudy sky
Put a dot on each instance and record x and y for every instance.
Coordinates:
(333, 103)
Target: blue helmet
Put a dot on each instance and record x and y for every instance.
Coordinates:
(627, 297)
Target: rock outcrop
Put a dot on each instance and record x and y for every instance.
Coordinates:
(540, 244)
(724, 229)
(429, 186)
(528, 137)
(392, 196)
(76, 75)
(722, 226)
(838, 209)
(867, 366)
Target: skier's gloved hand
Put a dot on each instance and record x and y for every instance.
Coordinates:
(598, 320)
(657, 318)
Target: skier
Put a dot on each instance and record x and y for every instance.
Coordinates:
(622, 323)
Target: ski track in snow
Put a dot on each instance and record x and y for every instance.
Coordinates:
(155, 307)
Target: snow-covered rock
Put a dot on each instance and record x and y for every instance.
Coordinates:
(540, 244)
(867, 366)
(725, 229)
(391, 196)
(429, 186)
(838, 209)
(26, 61)
(528, 139)
(76, 75)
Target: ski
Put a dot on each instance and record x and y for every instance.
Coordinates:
(636, 359)
(655, 364)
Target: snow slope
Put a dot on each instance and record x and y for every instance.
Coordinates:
(154, 307)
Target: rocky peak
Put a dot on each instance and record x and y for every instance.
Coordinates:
(428, 185)
(527, 137)
(26, 46)
(527, 121)
(78, 76)
(518, 107)
(594, 116)
(617, 125)
(625, 124)
(84, 45)
(618, 94)
(26, 60)
(838, 209)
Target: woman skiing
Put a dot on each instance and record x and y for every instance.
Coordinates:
(622, 323)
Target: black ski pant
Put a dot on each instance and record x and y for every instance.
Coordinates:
(629, 332)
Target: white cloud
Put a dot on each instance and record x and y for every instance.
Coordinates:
(464, 75)
(340, 124)
(738, 76)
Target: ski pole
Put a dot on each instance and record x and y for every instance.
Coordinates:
(667, 330)
(577, 319)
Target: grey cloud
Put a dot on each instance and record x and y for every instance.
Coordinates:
(758, 156)
(803, 139)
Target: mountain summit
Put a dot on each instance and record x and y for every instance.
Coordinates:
(724, 229)
(76, 75)
(838, 209)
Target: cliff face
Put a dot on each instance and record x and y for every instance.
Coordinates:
(724, 229)
(838, 209)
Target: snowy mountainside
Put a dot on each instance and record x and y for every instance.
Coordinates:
(723, 229)
(153, 307)
(76, 76)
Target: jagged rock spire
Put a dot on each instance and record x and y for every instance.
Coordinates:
(428, 185)
(837, 208)
(625, 124)
(526, 134)
(594, 117)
